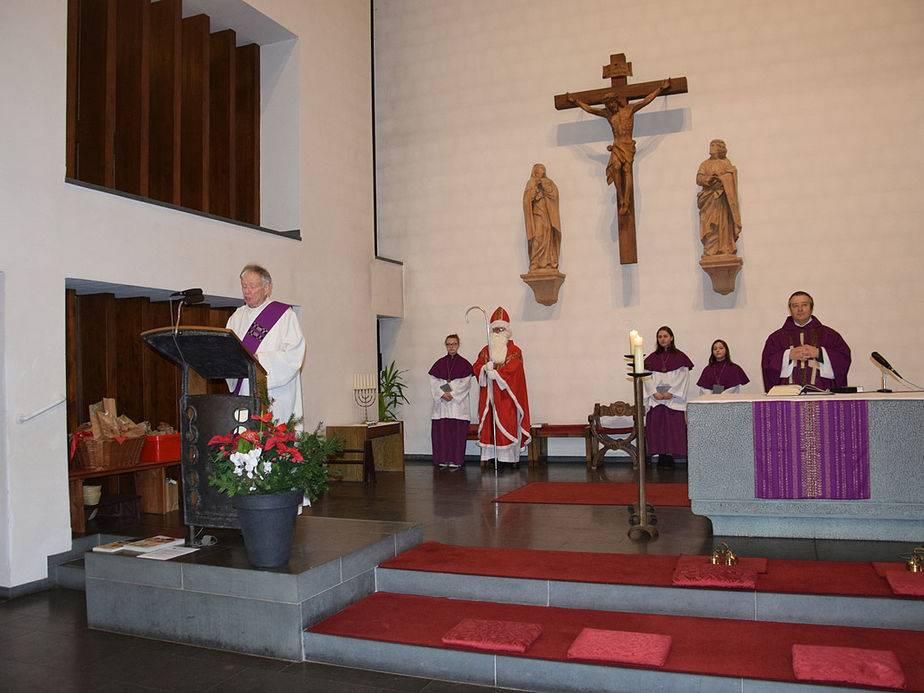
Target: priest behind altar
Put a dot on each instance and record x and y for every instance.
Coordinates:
(803, 351)
(270, 330)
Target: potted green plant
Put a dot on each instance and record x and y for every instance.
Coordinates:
(267, 471)
(391, 392)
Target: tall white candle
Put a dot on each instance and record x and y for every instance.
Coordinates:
(638, 353)
(632, 335)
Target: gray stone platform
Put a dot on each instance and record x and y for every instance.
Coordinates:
(820, 609)
(213, 598)
(720, 431)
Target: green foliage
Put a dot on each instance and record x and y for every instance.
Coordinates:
(272, 458)
(391, 392)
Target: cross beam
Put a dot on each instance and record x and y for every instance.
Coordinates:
(620, 115)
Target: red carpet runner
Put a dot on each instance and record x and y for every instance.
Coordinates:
(788, 576)
(596, 493)
(705, 646)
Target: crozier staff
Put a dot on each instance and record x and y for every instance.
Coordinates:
(270, 331)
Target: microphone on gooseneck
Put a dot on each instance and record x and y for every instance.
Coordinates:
(880, 359)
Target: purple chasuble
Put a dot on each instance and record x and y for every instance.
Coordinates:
(723, 373)
(811, 449)
(667, 361)
(451, 368)
(259, 328)
(815, 334)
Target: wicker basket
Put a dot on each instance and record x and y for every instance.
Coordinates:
(94, 454)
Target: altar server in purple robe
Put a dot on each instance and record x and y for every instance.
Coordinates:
(451, 379)
(722, 374)
(805, 352)
(666, 399)
(270, 330)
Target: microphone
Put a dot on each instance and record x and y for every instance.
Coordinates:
(190, 296)
(187, 292)
(880, 359)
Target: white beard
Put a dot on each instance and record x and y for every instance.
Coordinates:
(497, 348)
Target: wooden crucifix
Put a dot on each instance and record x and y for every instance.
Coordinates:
(621, 116)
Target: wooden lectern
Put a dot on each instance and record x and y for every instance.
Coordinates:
(211, 353)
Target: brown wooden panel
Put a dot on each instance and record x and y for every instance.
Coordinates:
(70, 130)
(162, 377)
(247, 133)
(194, 128)
(165, 84)
(95, 129)
(132, 96)
(71, 357)
(222, 160)
(97, 363)
(129, 324)
(218, 317)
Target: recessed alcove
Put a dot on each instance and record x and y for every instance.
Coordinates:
(106, 356)
(189, 104)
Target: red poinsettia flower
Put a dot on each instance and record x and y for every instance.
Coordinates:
(265, 418)
(251, 436)
(221, 440)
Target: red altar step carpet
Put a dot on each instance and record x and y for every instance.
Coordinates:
(773, 575)
(596, 493)
(702, 646)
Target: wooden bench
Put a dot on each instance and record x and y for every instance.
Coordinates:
(541, 432)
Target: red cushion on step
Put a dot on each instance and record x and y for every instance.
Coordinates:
(493, 636)
(906, 583)
(882, 569)
(847, 665)
(719, 576)
(620, 647)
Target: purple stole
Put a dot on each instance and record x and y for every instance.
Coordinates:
(259, 328)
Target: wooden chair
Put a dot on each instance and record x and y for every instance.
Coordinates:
(604, 438)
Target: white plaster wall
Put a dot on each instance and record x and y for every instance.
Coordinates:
(52, 231)
(821, 103)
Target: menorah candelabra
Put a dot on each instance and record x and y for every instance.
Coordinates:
(364, 392)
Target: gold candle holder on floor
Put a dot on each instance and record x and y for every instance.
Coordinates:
(722, 555)
(916, 563)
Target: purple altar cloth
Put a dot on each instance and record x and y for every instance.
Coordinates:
(811, 449)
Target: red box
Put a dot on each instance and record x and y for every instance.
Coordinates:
(165, 448)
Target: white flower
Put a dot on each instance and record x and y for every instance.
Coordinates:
(245, 463)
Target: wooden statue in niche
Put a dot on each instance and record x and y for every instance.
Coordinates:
(621, 116)
(719, 218)
(543, 236)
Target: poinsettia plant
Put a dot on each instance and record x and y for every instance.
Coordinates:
(271, 458)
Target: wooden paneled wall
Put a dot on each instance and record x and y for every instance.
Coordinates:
(160, 108)
(106, 356)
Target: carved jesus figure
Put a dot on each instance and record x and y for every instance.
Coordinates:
(543, 223)
(621, 116)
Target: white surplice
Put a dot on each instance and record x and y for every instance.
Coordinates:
(281, 353)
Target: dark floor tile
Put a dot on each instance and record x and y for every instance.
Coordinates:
(373, 680)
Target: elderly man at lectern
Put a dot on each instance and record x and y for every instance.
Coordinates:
(805, 352)
(270, 330)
